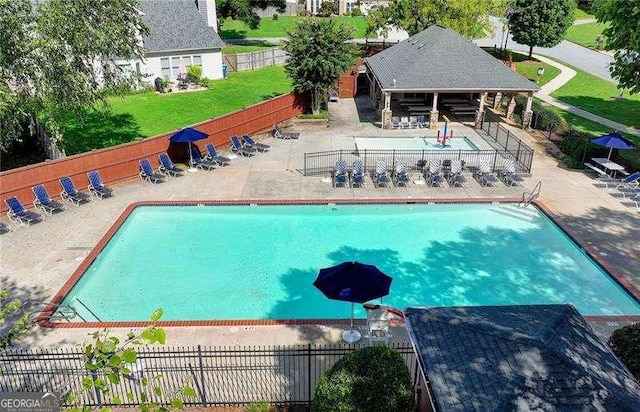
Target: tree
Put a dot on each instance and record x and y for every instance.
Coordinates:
(13, 321)
(625, 343)
(328, 8)
(56, 56)
(243, 10)
(467, 17)
(541, 23)
(319, 53)
(623, 36)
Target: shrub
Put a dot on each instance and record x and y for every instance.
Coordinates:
(573, 148)
(356, 12)
(194, 72)
(258, 407)
(369, 379)
(625, 343)
(275, 16)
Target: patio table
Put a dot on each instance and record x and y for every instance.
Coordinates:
(609, 165)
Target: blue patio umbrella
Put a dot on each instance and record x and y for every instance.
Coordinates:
(613, 141)
(352, 282)
(188, 135)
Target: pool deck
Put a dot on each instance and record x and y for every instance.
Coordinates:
(36, 261)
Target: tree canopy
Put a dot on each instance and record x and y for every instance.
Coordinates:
(319, 53)
(542, 23)
(243, 10)
(56, 56)
(623, 36)
(467, 17)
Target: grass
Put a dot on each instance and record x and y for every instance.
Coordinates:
(585, 34)
(235, 29)
(248, 47)
(149, 114)
(529, 69)
(598, 96)
(580, 14)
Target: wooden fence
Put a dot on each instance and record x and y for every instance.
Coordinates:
(255, 60)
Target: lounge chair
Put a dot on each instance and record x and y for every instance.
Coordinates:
(239, 148)
(43, 200)
(404, 122)
(71, 194)
(4, 228)
(422, 123)
(340, 174)
(213, 155)
(357, 177)
(400, 176)
(377, 324)
(147, 173)
(455, 176)
(249, 142)
(97, 186)
(434, 174)
(484, 175)
(508, 173)
(17, 212)
(395, 122)
(633, 180)
(413, 122)
(167, 167)
(629, 192)
(281, 134)
(381, 175)
(200, 162)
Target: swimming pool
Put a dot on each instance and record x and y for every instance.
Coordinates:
(243, 262)
(412, 143)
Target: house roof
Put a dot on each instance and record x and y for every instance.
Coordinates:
(439, 59)
(176, 25)
(525, 357)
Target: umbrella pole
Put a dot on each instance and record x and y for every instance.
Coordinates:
(610, 151)
(350, 335)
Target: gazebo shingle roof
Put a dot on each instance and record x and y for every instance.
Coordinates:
(439, 59)
(524, 357)
(176, 25)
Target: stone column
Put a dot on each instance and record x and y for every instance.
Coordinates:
(528, 113)
(511, 107)
(386, 111)
(433, 117)
(497, 100)
(480, 114)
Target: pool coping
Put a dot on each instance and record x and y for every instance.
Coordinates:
(49, 310)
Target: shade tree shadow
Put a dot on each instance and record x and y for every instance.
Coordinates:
(99, 129)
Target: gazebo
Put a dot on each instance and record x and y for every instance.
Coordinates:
(439, 68)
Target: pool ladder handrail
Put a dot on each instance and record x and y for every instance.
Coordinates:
(55, 315)
(528, 197)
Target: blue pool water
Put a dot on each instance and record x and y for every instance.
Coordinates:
(259, 262)
(413, 143)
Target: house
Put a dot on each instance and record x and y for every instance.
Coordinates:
(180, 31)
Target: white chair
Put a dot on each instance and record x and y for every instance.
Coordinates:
(377, 324)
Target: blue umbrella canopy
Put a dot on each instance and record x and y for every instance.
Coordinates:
(188, 135)
(353, 282)
(613, 140)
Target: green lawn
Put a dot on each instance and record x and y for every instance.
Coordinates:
(598, 96)
(529, 69)
(585, 34)
(234, 29)
(247, 47)
(580, 14)
(149, 114)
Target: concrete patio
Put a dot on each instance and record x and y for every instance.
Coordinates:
(36, 261)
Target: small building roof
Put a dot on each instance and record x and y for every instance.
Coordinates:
(524, 357)
(176, 25)
(439, 59)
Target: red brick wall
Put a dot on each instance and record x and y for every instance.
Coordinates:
(120, 162)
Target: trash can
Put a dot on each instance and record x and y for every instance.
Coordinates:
(224, 71)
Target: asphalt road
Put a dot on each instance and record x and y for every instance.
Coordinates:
(575, 55)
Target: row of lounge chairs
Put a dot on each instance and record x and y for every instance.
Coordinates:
(408, 122)
(628, 187)
(278, 133)
(435, 173)
(43, 201)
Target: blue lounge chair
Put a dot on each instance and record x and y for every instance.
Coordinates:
(97, 186)
(381, 175)
(434, 174)
(484, 174)
(239, 148)
(71, 194)
(357, 178)
(400, 176)
(422, 123)
(455, 176)
(281, 134)
(17, 212)
(147, 173)
(213, 155)
(249, 142)
(508, 173)
(4, 228)
(44, 201)
(340, 174)
(200, 162)
(167, 167)
(629, 181)
(395, 122)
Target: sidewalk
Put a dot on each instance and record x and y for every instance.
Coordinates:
(565, 75)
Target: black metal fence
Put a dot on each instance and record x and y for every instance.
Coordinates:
(279, 375)
(513, 147)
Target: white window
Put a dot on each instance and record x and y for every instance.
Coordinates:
(175, 65)
(197, 60)
(187, 61)
(164, 65)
